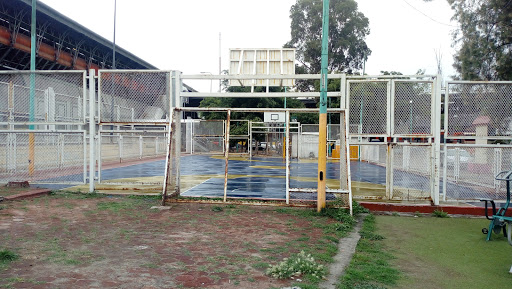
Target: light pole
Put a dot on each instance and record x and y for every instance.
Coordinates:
(113, 67)
(114, 43)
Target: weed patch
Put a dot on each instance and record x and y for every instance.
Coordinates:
(301, 264)
(7, 256)
(217, 209)
(440, 214)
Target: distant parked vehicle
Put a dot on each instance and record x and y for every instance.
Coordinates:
(263, 145)
(464, 158)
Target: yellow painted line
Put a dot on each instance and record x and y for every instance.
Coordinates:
(269, 167)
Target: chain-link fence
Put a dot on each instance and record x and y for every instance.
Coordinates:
(412, 108)
(478, 127)
(129, 146)
(41, 127)
(476, 109)
(470, 171)
(134, 96)
(412, 172)
(42, 157)
(207, 136)
(385, 116)
(368, 107)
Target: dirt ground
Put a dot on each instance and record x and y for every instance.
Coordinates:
(75, 241)
(9, 191)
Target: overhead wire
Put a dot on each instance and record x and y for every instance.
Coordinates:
(424, 14)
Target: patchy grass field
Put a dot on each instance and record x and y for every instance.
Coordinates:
(71, 240)
(9, 191)
(445, 253)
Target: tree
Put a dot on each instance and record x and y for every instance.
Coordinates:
(483, 39)
(348, 29)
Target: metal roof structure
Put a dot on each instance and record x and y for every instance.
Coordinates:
(62, 44)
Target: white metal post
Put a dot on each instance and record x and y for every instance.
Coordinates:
(345, 149)
(389, 170)
(177, 148)
(498, 160)
(390, 101)
(250, 140)
(99, 146)
(226, 155)
(446, 132)
(60, 142)
(168, 157)
(391, 109)
(92, 130)
(287, 151)
(84, 156)
(140, 147)
(156, 146)
(347, 159)
(437, 142)
(389, 146)
(120, 147)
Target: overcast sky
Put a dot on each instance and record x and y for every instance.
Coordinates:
(184, 35)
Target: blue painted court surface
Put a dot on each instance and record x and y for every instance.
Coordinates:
(265, 177)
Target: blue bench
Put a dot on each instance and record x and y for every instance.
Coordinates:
(498, 219)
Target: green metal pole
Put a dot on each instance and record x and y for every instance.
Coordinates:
(32, 62)
(31, 137)
(322, 127)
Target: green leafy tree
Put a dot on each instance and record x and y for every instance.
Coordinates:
(263, 102)
(348, 29)
(483, 39)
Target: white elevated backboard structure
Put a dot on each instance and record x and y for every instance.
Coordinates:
(260, 61)
(274, 116)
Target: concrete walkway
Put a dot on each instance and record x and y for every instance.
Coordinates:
(346, 249)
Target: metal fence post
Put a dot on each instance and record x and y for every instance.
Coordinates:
(140, 146)
(92, 129)
(287, 150)
(226, 155)
(437, 141)
(120, 146)
(177, 87)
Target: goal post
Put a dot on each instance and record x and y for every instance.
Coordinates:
(298, 187)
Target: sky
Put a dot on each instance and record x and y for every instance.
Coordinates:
(184, 34)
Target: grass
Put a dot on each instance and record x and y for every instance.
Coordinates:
(325, 248)
(440, 214)
(9, 191)
(446, 253)
(370, 267)
(6, 257)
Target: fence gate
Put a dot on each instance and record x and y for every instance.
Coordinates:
(134, 109)
(392, 125)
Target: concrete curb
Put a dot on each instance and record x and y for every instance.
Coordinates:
(425, 209)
